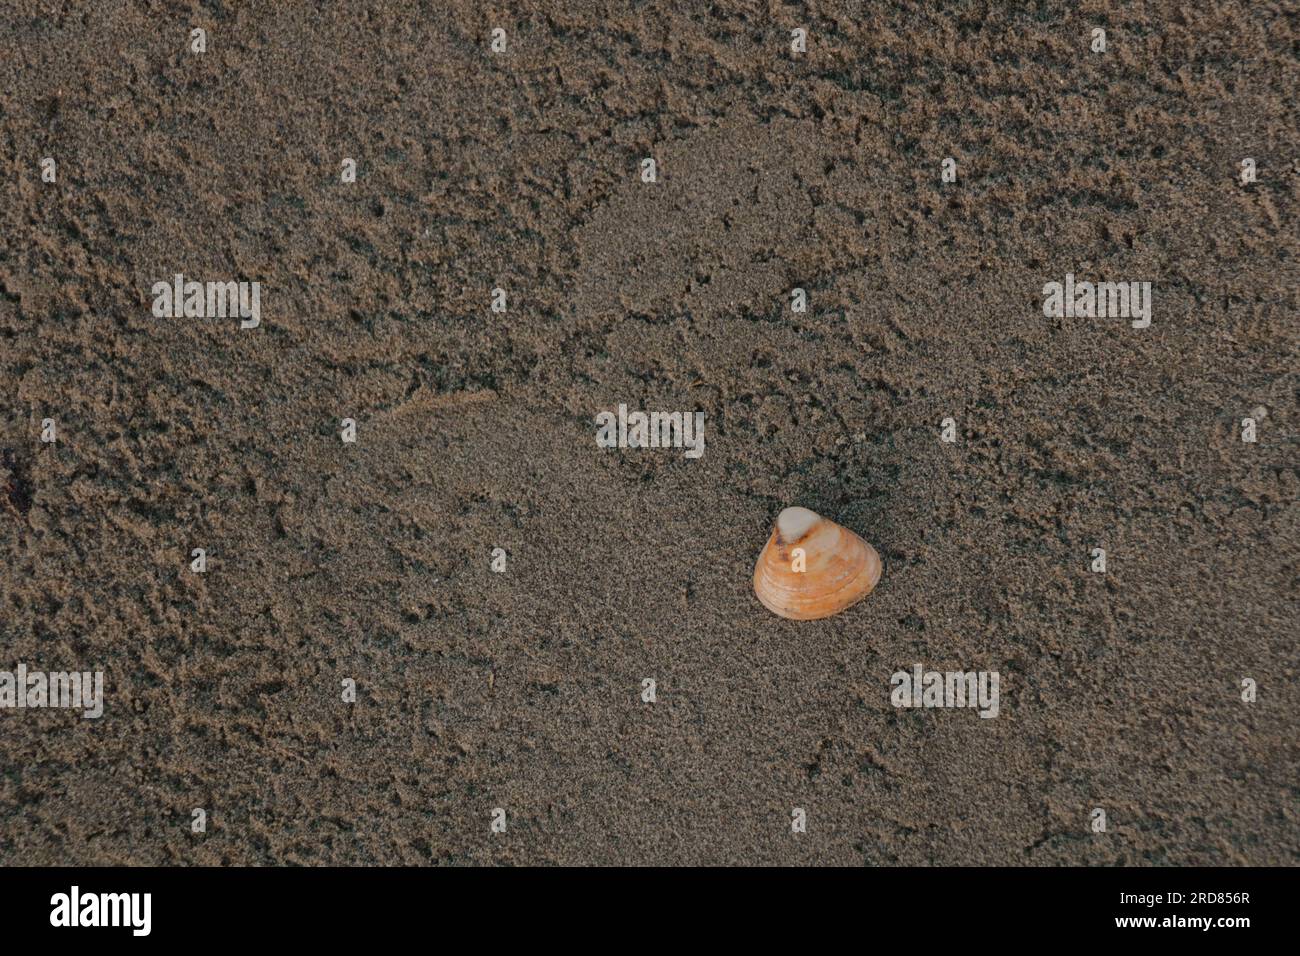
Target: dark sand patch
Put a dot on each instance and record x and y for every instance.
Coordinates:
(520, 689)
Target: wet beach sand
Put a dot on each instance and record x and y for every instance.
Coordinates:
(371, 561)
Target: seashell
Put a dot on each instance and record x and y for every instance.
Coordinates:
(812, 567)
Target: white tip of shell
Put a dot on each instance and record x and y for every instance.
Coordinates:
(793, 523)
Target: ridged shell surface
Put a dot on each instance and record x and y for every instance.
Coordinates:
(812, 567)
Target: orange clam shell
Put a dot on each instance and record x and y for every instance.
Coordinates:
(839, 568)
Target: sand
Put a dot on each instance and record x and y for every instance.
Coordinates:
(521, 690)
